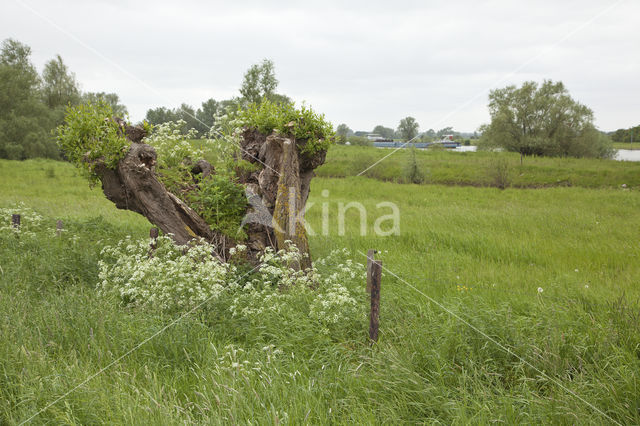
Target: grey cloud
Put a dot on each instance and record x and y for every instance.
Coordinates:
(363, 63)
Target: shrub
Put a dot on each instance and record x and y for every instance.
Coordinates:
(500, 172)
(91, 138)
(306, 126)
(50, 173)
(412, 172)
(218, 198)
(359, 141)
(221, 202)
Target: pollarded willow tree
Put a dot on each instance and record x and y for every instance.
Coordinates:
(250, 187)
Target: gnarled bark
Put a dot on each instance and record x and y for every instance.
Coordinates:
(134, 186)
(281, 186)
(277, 193)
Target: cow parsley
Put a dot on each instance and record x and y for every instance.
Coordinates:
(30, 221)
(168, 280)
(330, 295)
(171, 145)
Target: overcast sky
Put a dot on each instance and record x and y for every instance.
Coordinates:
(365, 63)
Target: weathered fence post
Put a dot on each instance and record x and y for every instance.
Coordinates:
(370, 258)
(15, 221)
(59, 227)
(374, 319)
(153, 234)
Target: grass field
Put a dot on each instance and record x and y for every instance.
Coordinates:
(478, 168)
(464, 253)
(626, 145)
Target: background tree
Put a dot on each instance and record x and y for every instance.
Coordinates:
(206, 115)
(342, 132)
(385, 132)
(631, 134)
(279, 98)
(25, 121)
(59, 87)
(445, 131)
(543, 120)
(188, 114)
(112, 99)
(17, 54)
(160, 115)
(185, 112)
(408, 128)
(260, 82)
(429, 135)
(32, 105)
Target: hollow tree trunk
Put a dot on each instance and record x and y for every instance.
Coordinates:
(277, 193)
(279, 190)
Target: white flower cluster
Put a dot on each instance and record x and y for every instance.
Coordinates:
(240, 248)
(327, 299)
(30, 221)
(168, 280)
(173, 280)
(336, 302)
(219, 144)
(171, 145)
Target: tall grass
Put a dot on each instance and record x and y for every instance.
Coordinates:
(480, 252)
(476, 168)
(627, 145)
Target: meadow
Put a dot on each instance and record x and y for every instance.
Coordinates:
(479, 168)
(548, 271)
(626, 145)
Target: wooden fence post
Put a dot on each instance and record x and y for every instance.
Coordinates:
(370, 259)
(374, 319)
(59, 227)
(153, 234)
(15, 220)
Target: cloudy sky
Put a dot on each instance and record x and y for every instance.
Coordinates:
(360, 62)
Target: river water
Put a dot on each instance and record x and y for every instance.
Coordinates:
(621, 154)
(628, 155)
(463, 148)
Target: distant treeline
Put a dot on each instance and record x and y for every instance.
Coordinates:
(631, 134)
(534, 119)
(32, 105)
(407, 130)
(201, 119)
(259, 83)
